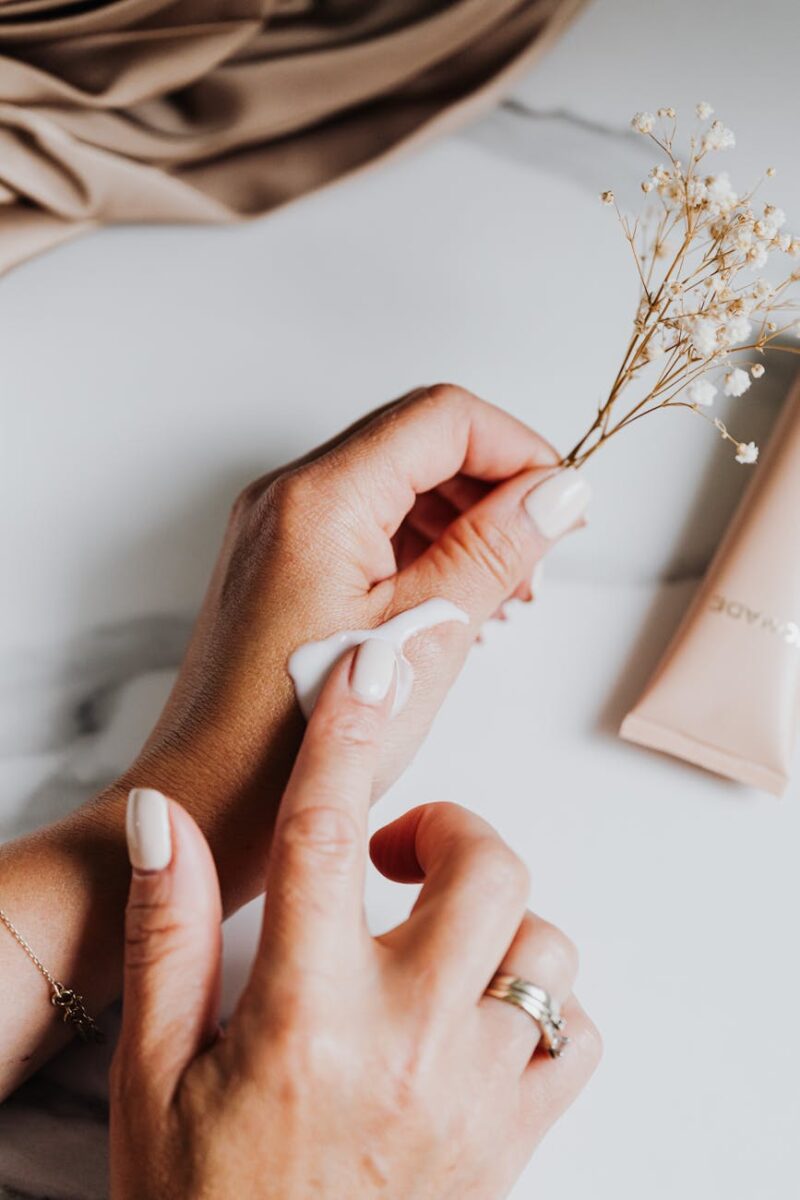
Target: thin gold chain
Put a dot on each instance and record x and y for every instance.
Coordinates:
(15, 933)
(66, 999)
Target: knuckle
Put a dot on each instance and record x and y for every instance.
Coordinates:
(501, 872)
(440, 821)
(444, 393)
(489, 545)
(437, 399)
(301, 1047)
(247, 498)
(442, 814)
(289, 497)
(320, 831)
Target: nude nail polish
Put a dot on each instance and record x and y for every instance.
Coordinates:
(147, 830)
(558, 503)
(373, 670)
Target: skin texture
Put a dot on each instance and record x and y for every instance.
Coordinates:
(353, 1066)
(422, 498)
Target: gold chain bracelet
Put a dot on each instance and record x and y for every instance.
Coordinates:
(66, 999)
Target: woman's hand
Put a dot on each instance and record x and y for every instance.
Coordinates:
(429, 496)
(354, 1066)
(437, 494)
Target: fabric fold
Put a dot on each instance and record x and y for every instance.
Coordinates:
(205, 110)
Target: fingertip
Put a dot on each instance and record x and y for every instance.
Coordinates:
(148, 830)
(365, 676)
(168, 851)
(558, 503)
(373, 671)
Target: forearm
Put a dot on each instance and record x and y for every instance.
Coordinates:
(65, 887)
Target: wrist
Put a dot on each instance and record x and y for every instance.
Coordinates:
(233, 795)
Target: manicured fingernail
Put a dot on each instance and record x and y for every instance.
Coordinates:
(557, 503)
(373, 670)
(537, 578)
(147, 830)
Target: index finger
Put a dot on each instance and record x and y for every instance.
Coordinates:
(434, 434)
(313, 916)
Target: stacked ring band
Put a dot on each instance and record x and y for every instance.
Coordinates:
(537, 1003)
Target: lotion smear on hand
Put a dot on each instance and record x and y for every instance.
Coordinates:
(311, 663)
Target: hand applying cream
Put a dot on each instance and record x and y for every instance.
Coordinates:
(424, 499)
(311, 663)
(436, 496)
(554, 505)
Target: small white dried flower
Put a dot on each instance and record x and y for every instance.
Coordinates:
(696, 192)
(736, 382)
(747, 452)
(757, 256)
(719, 137)
(701, 391)
(643, 122)
(775, 217)
(719, 193)
(703, 336)
(738, 330)
(740, 307)
(743, 238)
(702, 302)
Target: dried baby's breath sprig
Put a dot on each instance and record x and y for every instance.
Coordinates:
(698, 251)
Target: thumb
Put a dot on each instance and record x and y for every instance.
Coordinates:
(492, 547)
(172, 943)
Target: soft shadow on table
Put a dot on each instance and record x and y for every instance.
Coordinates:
(717, 496)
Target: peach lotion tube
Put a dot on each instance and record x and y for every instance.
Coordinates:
(726, 694)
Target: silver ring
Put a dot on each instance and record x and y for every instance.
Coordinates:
(537, 1003)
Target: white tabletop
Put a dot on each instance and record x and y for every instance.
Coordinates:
(484, 259)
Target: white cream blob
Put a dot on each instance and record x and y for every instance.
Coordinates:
(311, 663)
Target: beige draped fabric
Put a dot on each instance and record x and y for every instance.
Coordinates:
(216, 110)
